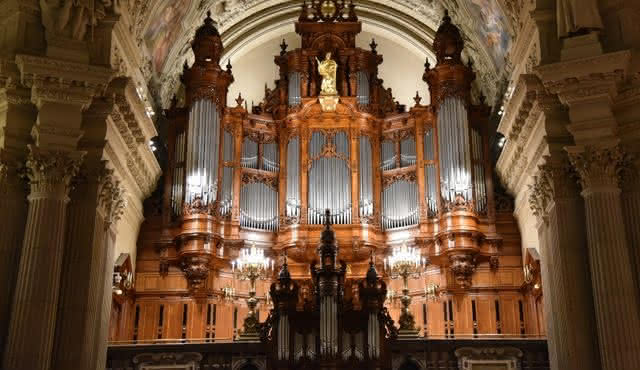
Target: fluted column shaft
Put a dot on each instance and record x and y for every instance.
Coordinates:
(101, 335)
(631, 211)
(13, 210)
(83, 275)
(31, 330)
(17, 116)
(569, 308)
(615, 295)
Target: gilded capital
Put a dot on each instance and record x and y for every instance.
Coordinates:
(50, 172)
(599, 168)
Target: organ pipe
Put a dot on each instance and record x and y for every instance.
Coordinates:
(400, 205)
(259, 207)
(454, 150)
(363, 93)
(203, 151)
(295, 95)
(431, 193)
(366, 177)
(249, 153)
(270, 158)
(408, 152)
(293, 178)
(177, 189)
(478, 172)
(330, 180)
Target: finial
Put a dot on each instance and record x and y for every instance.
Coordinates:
(372, 274)
(373, 46)
(417, 98)
(427, 65)
(283, 47)
(208, 13)
(185, 66)
(229, 67)
(327, 218)
(446, 18)
(284, 270)
(239, 100)
(470, 63)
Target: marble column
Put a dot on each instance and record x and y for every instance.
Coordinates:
(17, 115)
(96, 201)
(32, 326)
(104, 310)
(615, 295)
(631, 211)
(569, 308)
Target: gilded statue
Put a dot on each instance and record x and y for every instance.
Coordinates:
(328, 69)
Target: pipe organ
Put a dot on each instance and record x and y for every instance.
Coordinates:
(276, 175)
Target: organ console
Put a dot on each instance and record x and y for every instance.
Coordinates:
(275, 176)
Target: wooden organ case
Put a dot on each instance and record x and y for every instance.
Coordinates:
(275, 176)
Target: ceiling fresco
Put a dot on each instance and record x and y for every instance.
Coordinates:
(486, 27)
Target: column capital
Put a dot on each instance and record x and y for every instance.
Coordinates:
(555, 180)
(50, 172)
(112, 197)
(599, 168)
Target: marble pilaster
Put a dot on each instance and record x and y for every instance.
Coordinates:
(32, 326)
(614, 291)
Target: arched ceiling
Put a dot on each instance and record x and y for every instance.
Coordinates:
(249, 25)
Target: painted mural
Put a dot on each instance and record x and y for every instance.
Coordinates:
(164, 31)
(491, 26)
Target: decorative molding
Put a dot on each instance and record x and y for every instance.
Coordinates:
(196, 270)
(462, 266)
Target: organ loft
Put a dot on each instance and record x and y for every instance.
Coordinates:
(329, 225)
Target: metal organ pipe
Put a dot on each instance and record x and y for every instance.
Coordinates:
(408, 152)
(177, 188)
(431, 193)
(400, 205)
(362, 79)
(270, 158)
(388, 154)
(478, 172)
(249, 153)
(259, 207)
(330, 181)
(293, 178)
(203, 151)
(294, 89)
(455, 156)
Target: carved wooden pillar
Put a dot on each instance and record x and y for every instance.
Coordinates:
(17, 116)
(31, 331)
(355, 176)
(283, 143)
(420, 176)
(237, 172)
(305, 134)
(614, 291)
(569, 310)
(377, 177)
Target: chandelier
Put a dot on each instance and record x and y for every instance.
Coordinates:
(252, 265)
(405, 262)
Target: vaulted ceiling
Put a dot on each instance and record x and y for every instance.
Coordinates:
(166, 28)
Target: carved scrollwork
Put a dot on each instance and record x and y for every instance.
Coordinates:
(409, 176)
(260, 177)
(196, 207)
(459, 203)
(463, 266)
(261, 137)
(196, 270)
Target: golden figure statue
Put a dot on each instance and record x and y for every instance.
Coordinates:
(327, 69)
(328, 90)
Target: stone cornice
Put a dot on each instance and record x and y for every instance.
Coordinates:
(601, 64)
